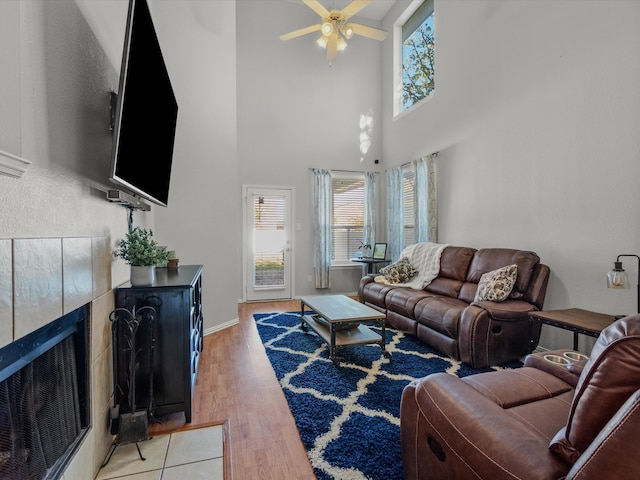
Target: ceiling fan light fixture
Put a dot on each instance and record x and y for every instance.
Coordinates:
(322, 41)
(347, 31)
(327, 29)
(341, 44)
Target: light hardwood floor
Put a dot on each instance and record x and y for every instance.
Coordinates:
(237, 385)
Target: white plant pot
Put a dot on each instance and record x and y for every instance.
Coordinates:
(143, 276)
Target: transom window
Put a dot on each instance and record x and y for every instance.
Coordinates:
(418, 55)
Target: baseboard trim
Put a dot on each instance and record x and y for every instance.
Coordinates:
(12, 165)
(222, 326)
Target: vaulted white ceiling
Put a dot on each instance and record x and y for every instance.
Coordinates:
(375, 11)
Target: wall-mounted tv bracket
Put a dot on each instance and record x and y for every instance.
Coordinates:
(113, 101)
(129, 201)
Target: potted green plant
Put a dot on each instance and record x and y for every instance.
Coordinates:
(366, 248)
(141, 251)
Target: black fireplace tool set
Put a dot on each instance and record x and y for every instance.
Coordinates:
(131, 426)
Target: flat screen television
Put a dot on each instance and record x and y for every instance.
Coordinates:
(146, 113)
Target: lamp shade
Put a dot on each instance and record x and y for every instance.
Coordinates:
(617, 277)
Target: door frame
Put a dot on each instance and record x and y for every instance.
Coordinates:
(245, 239)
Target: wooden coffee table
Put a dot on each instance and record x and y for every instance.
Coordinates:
(338, 320)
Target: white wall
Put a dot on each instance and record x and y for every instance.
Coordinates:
(295, 113)
(201, 224)
(202, 220)
(536, 116)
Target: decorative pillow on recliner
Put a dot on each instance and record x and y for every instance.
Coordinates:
(497, 284)
(400, 272)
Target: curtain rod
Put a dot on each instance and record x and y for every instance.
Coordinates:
(345, 171)
(435, 154)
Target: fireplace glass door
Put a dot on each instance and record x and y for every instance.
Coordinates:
(43, 401)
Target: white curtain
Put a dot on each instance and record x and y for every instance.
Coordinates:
(395, 231)
(369, 231)
(322, 227)
(426, 219)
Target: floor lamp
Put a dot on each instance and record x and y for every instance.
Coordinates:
(617, 278)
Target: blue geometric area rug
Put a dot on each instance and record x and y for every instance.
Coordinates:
(348, 415)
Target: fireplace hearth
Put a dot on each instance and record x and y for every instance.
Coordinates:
(44, 398)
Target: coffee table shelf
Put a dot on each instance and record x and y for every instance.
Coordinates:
(338, 321)
(357, 335)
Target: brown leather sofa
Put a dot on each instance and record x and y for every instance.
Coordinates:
(542, 421)
(445, 317)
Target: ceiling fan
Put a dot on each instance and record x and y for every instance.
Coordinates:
(335, 28)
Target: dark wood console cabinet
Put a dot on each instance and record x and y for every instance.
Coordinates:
(176, 338)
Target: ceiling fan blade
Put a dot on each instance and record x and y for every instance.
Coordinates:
(369, 32)
(317, 7)
(300, 32)
(332, 47)
(353, 8)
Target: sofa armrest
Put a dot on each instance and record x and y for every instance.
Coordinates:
(363, 281)
(461, 433)
(537, 290)
(569, 372)
(493, 333)
(614, 449)
(507, 310)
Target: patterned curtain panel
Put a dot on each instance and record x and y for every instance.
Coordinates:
(322, 227)
(426, 219)
(395, 235)
(369, 233)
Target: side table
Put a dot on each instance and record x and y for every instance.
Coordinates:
(576, 320)
(371, 262)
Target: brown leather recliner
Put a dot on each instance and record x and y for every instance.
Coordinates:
(541, 421)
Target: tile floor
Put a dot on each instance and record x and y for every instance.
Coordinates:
(191, 454)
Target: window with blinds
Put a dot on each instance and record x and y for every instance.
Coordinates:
(408, 204)
(269, 240)
(347, 217)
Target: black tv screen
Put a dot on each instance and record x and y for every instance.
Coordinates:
(146, 112)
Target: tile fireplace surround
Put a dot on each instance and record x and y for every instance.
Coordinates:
(42, 279)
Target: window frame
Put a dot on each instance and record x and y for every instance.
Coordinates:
(398, 60)
(345, 176)
(274, 211)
